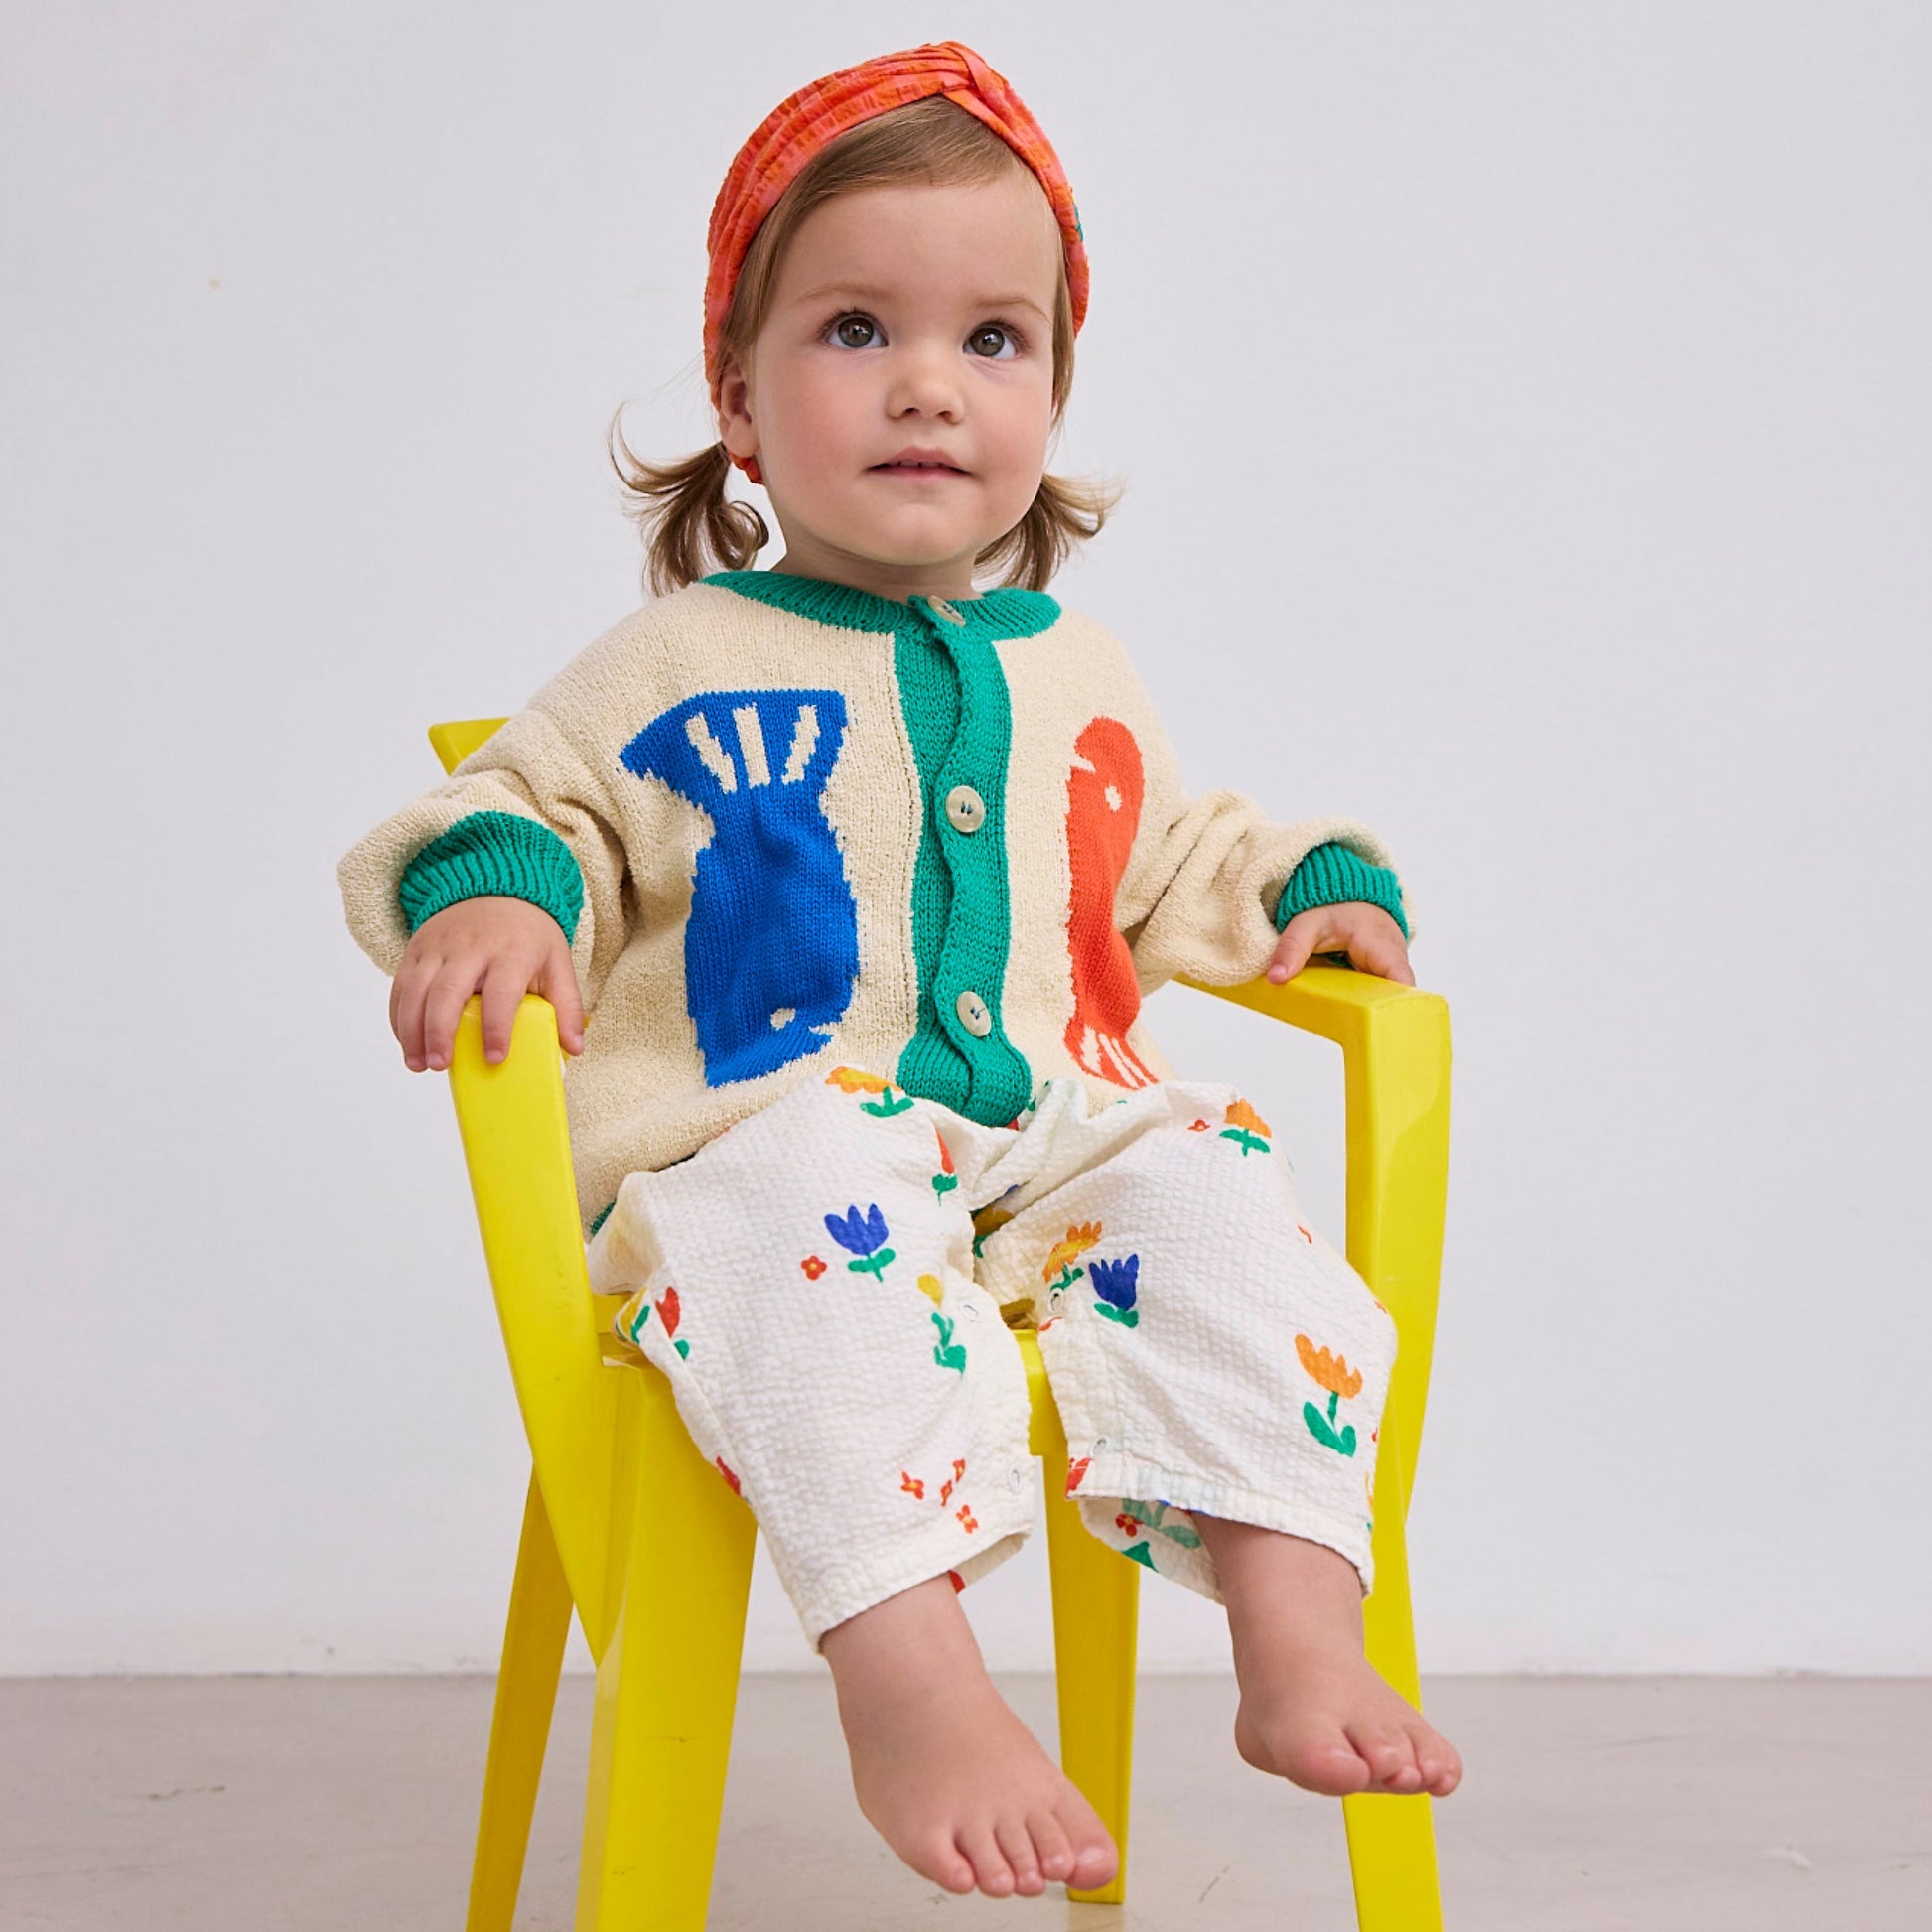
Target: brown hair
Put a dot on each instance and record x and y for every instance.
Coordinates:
(690, 527)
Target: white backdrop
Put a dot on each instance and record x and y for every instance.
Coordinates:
(1524, 413)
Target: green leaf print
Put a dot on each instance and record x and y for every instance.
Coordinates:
(874, 1264)
(887, 1104)
(1127, 1317)
(1319, 1427)
(948, 1354)
(1246, 1141)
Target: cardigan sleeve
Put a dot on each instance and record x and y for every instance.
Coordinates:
(1208, 876)
(522, 816)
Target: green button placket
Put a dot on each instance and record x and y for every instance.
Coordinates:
(957, 713)
(978, 932)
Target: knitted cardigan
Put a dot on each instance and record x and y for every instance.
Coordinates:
(785, 824)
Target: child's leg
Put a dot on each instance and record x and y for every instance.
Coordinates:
(805, 1283)
(1220, 1370)
(1313, 1708)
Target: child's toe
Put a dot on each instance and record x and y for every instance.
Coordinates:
(1016, 1847)
(1051, 1843)
(989, 1868)
(947, 1866)
(1387, 1752)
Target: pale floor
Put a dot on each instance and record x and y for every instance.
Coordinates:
(1591, 1805)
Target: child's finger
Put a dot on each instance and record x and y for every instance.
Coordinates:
(557, 982)
(1375, 951)
(1290, 955)
(449, 992)
(406, 1010)
(504, 982)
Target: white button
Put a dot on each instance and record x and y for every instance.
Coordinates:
(966, 808)
(944, 609)
(973, 1015)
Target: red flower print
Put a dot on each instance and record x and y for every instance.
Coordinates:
(956, 1580)
(667, 1310)
(952, 1482)
(965, 1514)
(946, 1152)
(1075, 1472)
(1305, 1234)
(1128, 1525)
(911, 1484)
(725, 1470)
(1199, 1127)
(813, 1267)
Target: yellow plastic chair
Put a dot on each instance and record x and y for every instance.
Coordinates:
(658, 1567)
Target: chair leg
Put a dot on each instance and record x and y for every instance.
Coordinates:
(1096, 1622)
(666, 1689)
(519, 1729)
(1391, 1840)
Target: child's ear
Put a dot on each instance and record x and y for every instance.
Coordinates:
(735, 429)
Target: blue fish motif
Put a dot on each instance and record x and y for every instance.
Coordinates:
(771, 947)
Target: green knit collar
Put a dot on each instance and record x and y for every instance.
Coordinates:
(990, 618)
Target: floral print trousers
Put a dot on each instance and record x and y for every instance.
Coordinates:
(830, 1285)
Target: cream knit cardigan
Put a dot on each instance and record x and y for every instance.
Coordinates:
(944, 842)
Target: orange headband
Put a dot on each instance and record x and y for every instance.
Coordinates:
(816, 115)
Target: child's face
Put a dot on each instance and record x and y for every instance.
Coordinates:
(903, 318)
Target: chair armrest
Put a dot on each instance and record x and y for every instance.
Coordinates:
(516, 1141)
(1395, 1052)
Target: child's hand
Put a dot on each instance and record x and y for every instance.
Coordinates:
(499, 947)
(1367, 934)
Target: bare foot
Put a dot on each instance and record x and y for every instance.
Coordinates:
(944, 1769)
(1313, 1710)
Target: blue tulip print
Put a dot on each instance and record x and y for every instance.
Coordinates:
(864, 1235)
(1114, 1283)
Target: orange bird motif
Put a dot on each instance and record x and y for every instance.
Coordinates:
(1103, 812)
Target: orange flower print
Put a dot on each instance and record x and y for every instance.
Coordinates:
(1080, 1238)
(1333, 1374)
(1246, 1129)
(945, 1181)
(1332, 1371)
(855, 1079)
(965, 1514)
(1305, 1234)
(1075, 1472)
(725, 1469)
(958, 1470)
(911, 1484)
(813, 1267)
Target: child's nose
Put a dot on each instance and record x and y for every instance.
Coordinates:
(926, 378)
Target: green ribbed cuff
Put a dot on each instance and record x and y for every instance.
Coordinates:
(1334, 874)
(500, 853)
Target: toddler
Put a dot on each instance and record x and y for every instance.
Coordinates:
(861, 873)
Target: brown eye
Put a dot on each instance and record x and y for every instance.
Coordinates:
(855, 332)
(999, 337)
